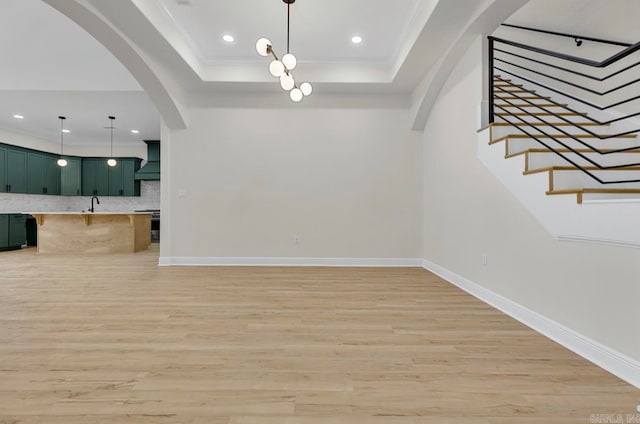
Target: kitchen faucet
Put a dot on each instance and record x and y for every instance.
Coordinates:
(97, 200)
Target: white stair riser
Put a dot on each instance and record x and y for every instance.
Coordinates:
(541, 130)
(608, 197)
(517, 145)
(564, 180)
(544, 118)
(537, 160)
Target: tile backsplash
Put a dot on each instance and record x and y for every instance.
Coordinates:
(16, 203)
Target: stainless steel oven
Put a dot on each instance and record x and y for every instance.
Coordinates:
(155, 224)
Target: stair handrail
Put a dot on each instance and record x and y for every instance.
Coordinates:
(616, 57)
(565, 34)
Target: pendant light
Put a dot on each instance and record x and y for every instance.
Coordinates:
(111, 161)
(282, 68)
(62, 162)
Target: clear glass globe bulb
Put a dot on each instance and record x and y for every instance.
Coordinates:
(276, 68)
(62, 162)
(287, 82)
(296, 95)
(262, 46)
(306, 88)
(112, 162)
(289, 61)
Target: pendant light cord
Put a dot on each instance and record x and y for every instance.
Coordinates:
(288, 18)
(111, 118)
(62, 118)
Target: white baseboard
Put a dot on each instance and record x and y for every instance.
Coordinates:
(291, 261)
(615, 362)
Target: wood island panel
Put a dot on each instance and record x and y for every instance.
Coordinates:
(98, 233)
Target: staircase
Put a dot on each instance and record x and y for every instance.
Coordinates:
(581, 158)
(563, 134)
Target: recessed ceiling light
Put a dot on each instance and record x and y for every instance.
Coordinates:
(356, 39)
(228, 38)
(135, 131)
(18, 116)
(66, 131)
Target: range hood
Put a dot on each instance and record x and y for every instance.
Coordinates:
(151, 169)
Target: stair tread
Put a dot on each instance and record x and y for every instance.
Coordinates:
(573, 168)
(542, 124)
(544, 150)
(566, 136)
(594, 190)
(534, 105)
(521, 97)
(541, 114)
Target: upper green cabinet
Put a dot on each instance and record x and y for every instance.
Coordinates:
(3, 169)
(35, 172)
(100, 179)
(43, 174)
(71, 177)
(51, 175)
(95, 177)
(16, 166)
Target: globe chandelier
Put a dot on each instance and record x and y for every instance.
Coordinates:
(282, 68)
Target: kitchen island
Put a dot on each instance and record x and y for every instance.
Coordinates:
(100, 232)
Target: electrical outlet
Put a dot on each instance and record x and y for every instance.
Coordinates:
(484, 259)
(296, 240)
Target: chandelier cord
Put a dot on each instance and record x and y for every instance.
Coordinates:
(288, 18)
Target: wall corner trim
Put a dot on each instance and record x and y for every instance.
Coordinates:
(289, 261)
(615, 362)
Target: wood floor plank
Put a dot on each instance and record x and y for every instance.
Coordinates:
(93, 340)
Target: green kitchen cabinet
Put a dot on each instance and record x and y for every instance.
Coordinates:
(130, 185)
(35, 173)
(51, 175)
(95, 177)
(13, 231)
(4, 231)
(71, 177)
(122, 178)
(115, 180)
(43, 174)
(17, 230)
(3, 170)
(16, 164)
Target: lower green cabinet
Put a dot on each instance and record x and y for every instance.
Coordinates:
(13, 231)
(4, 231)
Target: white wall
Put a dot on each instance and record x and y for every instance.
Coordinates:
(591, 289)
(345, 180)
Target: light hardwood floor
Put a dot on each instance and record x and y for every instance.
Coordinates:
(118, 340)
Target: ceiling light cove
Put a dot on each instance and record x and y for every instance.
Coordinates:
(18, 116)
(356, 39)
(228, 38)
